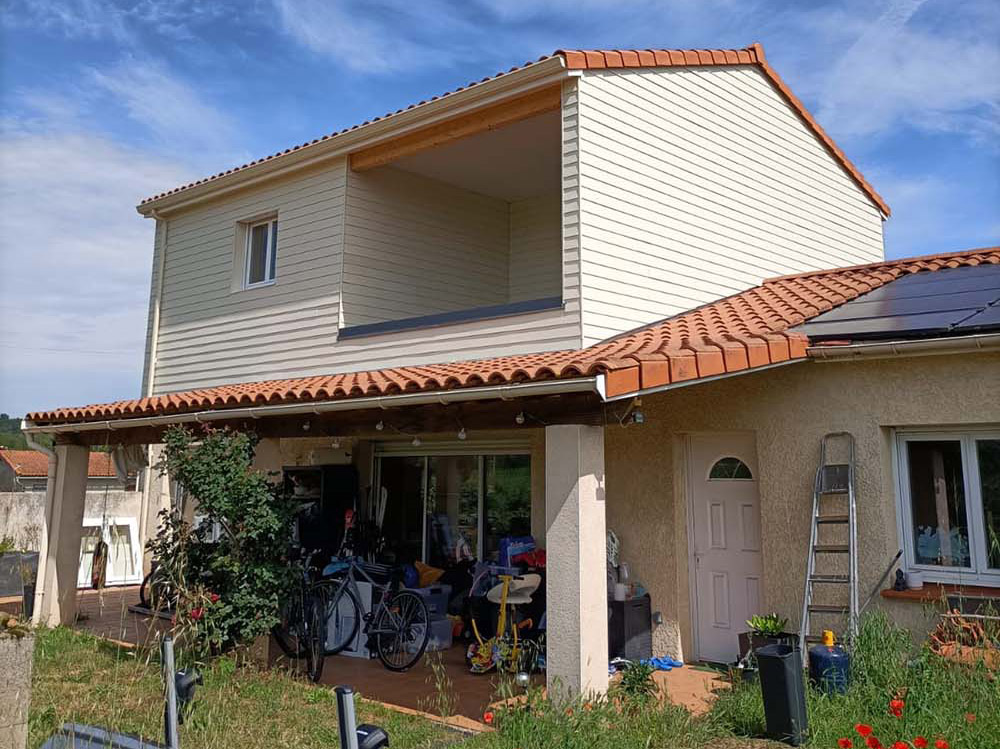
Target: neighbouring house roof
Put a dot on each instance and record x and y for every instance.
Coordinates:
(592, 59)
(742, 332)
(33, 464)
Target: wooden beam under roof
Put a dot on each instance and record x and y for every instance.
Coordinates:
(493, 117)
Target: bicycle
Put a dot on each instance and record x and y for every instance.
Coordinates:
(398, 625)
(301, 633)
(504, 650)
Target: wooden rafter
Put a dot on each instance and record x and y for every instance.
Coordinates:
(489, 118)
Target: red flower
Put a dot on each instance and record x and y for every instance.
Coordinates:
(873, 743)
(896, 707)
(970, 717)
(920, 742)
(898, 712)
(845, 744)
(196, 614)
(941, 744)
(213, 597)
(900, 745)
(488, 717)
(863, 729)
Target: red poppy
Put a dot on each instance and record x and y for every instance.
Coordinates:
(896, 707)
(569, 711)
(863, 729)
(941, 744)
(488, 717)
(896, 712)
(970, 717)
(845, 744)
(920, 742)
(196, 614)
(213, 597)
(900, 745)
(873, 743)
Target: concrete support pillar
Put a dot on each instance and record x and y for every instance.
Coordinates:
(59, 560)
(577, 592)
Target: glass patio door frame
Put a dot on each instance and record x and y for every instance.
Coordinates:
(480, 452)
(103, 527)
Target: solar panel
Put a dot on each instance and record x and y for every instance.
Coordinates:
(951, 301)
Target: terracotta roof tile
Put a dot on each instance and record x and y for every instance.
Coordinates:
(746, 330)
(592, 59)
(33, 464)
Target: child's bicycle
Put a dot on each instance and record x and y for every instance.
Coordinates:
(503, 651)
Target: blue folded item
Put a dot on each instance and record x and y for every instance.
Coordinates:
(334, 567)
(662, 664)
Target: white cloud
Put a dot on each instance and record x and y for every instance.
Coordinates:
(909, 66)
(168, 107)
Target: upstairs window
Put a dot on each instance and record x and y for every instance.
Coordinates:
(262, 253)
(949, 484)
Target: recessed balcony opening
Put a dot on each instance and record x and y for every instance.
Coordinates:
(466, 230)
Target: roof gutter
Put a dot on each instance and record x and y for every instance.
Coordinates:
(593, 385)
(43, 545)
(968, 344)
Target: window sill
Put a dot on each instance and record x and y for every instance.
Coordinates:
(450, 318)
(932, 592)
(261, 285)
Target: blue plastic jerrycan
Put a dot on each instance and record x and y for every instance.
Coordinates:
(829, 665)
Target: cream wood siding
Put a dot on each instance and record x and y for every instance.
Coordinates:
(416, 246)
(698, 183)
(213, 331)
(571, 205)
(211, 334)
(535, 254)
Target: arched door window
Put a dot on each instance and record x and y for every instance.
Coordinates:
(730, 469)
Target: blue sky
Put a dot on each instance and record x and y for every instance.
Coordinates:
(103, 103)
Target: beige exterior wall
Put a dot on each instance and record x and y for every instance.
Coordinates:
(22, 514)
(535, 269)
(697, 183)
(788, 409)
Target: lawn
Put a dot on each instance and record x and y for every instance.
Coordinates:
(81, 678)
(78, 677)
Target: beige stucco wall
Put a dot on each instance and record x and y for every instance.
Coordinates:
(789, 409)
(22, 513)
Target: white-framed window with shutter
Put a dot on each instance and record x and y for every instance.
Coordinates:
(261, 253)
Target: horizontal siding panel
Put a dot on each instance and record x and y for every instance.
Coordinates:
(535, 270)
(697, 183)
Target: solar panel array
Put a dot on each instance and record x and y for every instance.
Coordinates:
(955, 301)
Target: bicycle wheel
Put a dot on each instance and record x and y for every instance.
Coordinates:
(345, 609)
(317, 613)
(156, 592)
(401, 631)
(288, 632)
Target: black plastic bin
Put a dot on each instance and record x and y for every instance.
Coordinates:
(783, 689)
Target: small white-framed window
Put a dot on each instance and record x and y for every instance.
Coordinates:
(949, 491)
(261, 253)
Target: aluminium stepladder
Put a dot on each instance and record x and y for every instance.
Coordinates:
(834, 484)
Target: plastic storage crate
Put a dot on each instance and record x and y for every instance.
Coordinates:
(440, 637)
(436, 597)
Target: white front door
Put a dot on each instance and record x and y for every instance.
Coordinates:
(725, 554)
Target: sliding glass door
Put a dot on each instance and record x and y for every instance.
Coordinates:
(447, 508)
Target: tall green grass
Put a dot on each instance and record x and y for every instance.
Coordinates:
(938, 696)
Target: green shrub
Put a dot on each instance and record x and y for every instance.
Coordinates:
(767, 625)
(230, 590)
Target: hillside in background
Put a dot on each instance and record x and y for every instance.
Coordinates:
(10, 434)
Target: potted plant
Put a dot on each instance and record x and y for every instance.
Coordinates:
(17, 645)
(765, 629)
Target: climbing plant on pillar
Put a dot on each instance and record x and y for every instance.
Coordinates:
(232, 586)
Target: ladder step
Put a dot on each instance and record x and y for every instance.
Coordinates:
(832, 548)
(826, 608)
(829, 579)
(832, 518)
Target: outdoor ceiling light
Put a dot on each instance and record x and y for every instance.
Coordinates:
(461, 433)
(336, 443)
(416, 442)
(380, 426)
(638, 417)
(519, 419)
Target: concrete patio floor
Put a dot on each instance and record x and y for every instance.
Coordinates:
(105, 614)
